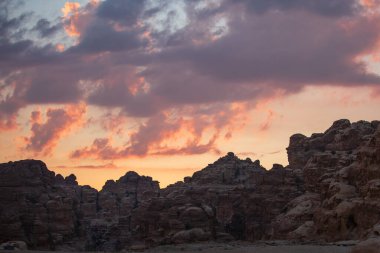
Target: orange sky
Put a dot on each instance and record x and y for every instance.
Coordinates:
(312, 110)
(98, 88)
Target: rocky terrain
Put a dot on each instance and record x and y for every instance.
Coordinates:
(329, 192)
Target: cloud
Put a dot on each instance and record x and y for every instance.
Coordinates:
(102, 37)
(45, 28)
(9, 106)
(126, 12)
(247, 154)
(254, 58)
(376, 93)
(9, 25)
(46, 135)
(7, 122)
(268, 121)
(111, 122)
(168, 133)
(369, 3)
(330, 8)
(276, 50)
(155, 137)
(88, 166)
(71, 15)
(129, 56)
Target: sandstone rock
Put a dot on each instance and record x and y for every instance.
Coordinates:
(13, 245)
(371, 245)
(329, 192)
(138, 247)
(71, 180)
(296, 219)
(304, 232)
(192, 235)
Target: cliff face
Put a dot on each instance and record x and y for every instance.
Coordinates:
(51, 212)
(341, 173)
(330, 191)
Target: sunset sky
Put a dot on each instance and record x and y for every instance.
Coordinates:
(164, 87)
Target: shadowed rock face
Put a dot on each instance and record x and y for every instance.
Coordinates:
(48, 211)
(341, 171)
(330, 191)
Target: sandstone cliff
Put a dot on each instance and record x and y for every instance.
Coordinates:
(330, 191)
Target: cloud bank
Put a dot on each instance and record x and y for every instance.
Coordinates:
(196, 62)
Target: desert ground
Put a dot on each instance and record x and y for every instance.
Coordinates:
(253, 248)
(235, 248)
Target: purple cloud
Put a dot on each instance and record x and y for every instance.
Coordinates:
(131, 55)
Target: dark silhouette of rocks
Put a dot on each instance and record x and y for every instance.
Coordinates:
(330, 191)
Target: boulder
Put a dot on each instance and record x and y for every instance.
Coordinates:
(192, 235)
(14, 245)
(371, 245)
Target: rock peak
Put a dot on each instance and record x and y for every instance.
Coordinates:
(339, 124)
(329, 192)
(230, 156)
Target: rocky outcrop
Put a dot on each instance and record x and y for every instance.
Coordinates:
(14, 245)
(330, 191)
(371, 245)
(35, 205)
(111, 230)
(48, 211)
(342, 167)
(229, 199)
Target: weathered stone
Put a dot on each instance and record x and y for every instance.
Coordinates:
(192, 235)
(13, 245)
(329, 192)
(371, 245)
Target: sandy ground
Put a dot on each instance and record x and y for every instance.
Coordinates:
(246, 248)
(238, 248)
(271, 247)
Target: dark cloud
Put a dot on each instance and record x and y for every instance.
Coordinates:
(331, 8)
(261, 54)
(11, 32)
(11, 51)
(233, 52)
(8, 112)
(46, 29)
(9, 24)
(102, 37)
(124, 11)
(45, 90)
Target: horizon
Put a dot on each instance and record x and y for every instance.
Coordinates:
(99, 88)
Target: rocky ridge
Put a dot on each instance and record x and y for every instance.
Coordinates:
(330, 191)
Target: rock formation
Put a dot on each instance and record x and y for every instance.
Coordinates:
(330, 191)
(341, 169)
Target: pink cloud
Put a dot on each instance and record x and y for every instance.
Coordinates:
(265, 126)
(59, 122)
(169, 134)
(71, 14)
(8, 122)
(376, 93)
(76, 19)
(88, 166)
(120, 61)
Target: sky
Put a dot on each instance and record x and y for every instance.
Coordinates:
(164, 87)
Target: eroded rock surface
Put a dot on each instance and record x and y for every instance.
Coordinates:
(330, 191)
(341, 166)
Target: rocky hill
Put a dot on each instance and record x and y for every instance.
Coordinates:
(330, 191)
